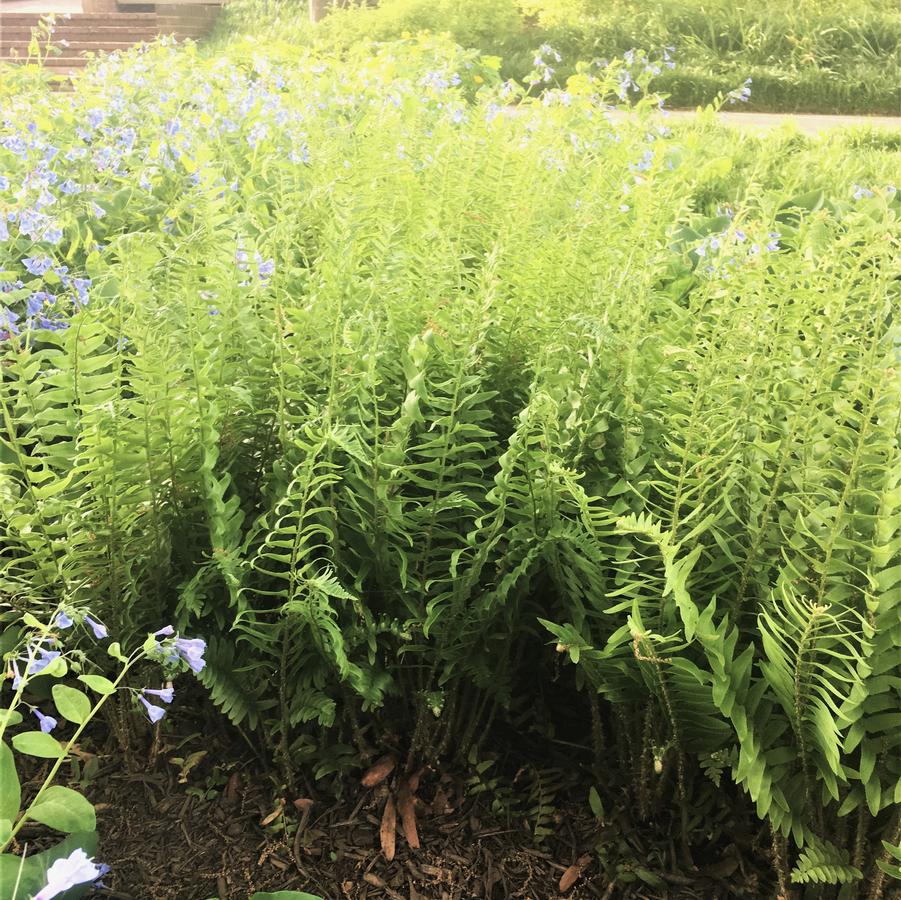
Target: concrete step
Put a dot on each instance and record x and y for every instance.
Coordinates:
(73, 47)
(125, 36)
(98, 31)
(65, 63)
(29, 20)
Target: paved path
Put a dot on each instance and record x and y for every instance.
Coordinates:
(806, 122)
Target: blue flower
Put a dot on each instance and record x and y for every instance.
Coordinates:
(644, 163)
(742, 94)
(164, 631)
(74, 869)
(265, 267)
(98, 210)
(191, 650)
(53, 234)
(4, 230)
(62, 620)
(165, 694)
(95, 117)
(861, 192)
(17, 675)
(45, 657)
(773, 243)
(45, 198)
(37, 265)
(98, 628)
(4, 183)
(48, 723)
(80, 286)
(52, 324)
(71, 187)
(37, 301)
(8, 320)
(154, 713)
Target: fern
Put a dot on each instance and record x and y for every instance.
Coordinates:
(823, 863)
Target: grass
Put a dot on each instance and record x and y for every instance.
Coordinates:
(805, 56)
(415, 408)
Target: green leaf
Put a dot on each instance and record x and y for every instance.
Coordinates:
(63, 809)
(36, 743)
(115, 651)
(56, 669)
(594, 801)
(10, 717)
(648, 877)
(71, 703)
(285, 895)
(98, 683)
(9, 638)
(10, 792)
(6, 829)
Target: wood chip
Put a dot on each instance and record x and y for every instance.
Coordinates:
(374, 880)
(379, 771)
(388, 828)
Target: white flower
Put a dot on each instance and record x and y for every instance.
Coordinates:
(74, 869)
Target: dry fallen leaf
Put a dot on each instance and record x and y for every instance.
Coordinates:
(414, 780)
(407, 815)
(387, 831)
(573, 873)
(230, 794)
(274, 814)
(379, 771)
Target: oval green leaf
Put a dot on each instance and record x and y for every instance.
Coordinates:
(10, 793)
(36, 743)
(63, 809)
(71, 704)
(10, 717)
(98, 683)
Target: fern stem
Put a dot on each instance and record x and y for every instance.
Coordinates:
(877, 878)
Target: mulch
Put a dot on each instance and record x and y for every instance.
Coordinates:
(168, 836)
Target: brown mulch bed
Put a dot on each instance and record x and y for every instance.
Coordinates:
(167, 839)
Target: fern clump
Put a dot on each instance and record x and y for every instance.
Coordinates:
(406, 400)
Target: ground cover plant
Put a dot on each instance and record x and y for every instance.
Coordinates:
(440, 420)
(806, 56)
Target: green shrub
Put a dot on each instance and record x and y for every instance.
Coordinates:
(808, 56)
